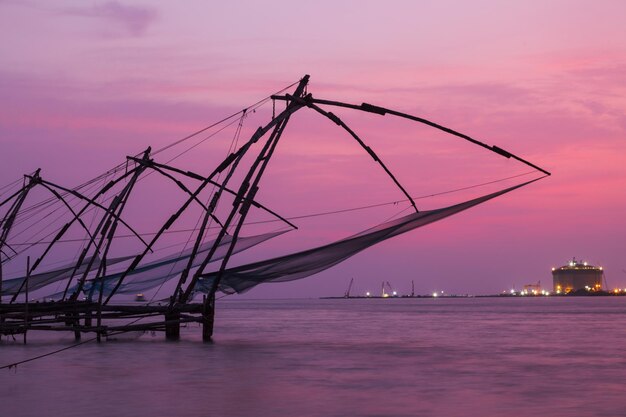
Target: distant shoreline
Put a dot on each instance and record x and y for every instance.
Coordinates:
(579, 293)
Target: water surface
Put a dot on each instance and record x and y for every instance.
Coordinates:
(359, 357)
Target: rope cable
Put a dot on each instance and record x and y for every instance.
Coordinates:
(233, 145)
(122, 165)
(319, 214)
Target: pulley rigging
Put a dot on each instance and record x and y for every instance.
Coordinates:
(90, 274)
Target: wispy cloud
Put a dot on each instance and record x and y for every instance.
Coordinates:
(133, 19)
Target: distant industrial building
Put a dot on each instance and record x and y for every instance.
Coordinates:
(577, 275)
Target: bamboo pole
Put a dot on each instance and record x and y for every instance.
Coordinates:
(26, 294)
(208, 317)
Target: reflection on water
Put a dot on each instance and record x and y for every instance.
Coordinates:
(400, 357)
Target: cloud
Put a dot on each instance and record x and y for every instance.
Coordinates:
(133, 19)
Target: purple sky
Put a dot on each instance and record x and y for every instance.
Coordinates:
(82, 84)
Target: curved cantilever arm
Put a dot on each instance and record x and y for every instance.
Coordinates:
(199, 177)
(65, 203)
(177, 182)
(95, 203)
(7, 221)
(8, 246)
(4, 253)
(369, 150)
(11, 196)
(382, 111)
(64, 229)
(230, 161)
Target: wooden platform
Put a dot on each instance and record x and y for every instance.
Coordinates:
(103, 320)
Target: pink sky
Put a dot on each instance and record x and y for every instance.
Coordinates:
(82, 84)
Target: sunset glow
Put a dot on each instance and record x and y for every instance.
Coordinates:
(83, 84)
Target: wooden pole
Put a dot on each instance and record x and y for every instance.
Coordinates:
(99, 320)
(172, 323)
(208, 317)
(244, 196)
(247, 191)
(1, 319)
(26, 294)
(76, 325)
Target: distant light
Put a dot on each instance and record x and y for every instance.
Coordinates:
(553, 268)
(367, 294)
(585, 263)
(600, 268)
(395, 293)
(512, 291)
(434, 294)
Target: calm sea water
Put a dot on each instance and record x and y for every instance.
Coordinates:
(401, 357)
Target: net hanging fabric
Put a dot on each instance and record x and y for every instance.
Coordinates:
(156, 273)
(43, 279)
(309, 262)
(140, 279)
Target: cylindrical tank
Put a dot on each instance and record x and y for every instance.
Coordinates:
(575, 276)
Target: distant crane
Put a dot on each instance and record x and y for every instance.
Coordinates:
(533, 288)
(390, 293)
(412, 288)
(347, 294)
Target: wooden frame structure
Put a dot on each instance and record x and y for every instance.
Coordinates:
(71, 313)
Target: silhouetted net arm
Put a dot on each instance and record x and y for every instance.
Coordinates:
(309, 262)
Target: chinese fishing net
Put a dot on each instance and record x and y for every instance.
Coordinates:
(306, 263)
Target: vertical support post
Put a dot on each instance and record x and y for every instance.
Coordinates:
(172, 324)
(208, 317)
(7, 221)
(1, 315)
(247, 192)
(26, 294)
(107, 228)
(99, 320)
(245, 195)
(76, 324)
(1, 318)
(71, 319)
(88, 318)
